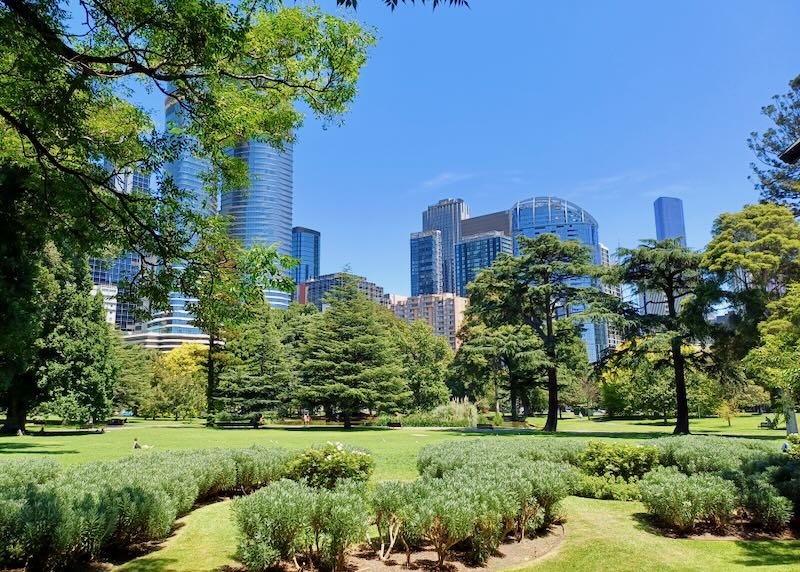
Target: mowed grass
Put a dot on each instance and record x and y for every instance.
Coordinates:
(601, 535)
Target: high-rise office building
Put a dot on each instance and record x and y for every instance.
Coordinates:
(492, 222)
(444, 312)
(446, 216)
(613, 333)
(568, 221)
(305, 249)
(474, 253)
(262, 213)
(426, 262)
(669, 219)
(314, 290)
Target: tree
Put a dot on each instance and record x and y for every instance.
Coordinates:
(550, 289)
(70, 358)
(227, 283)
(135, 377)
(179, 382)
(349, 361)
(393, 3)
(260, 377)
(673, 271)
(236, 70)
(425, 357)
(777, 181)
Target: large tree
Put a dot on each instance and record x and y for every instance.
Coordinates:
(70, 355)
(777, 181)
(349, 361)
(68, 129)
(672, 272)
(552, 288)
(425, 357)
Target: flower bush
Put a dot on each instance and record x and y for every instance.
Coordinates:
(618, 460)
(325, 465)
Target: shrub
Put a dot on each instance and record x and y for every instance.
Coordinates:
(325, 465)
(257, 466)
(608, 488)
(389, 504)
(617, 460)
(445, 517)
(274, 523)
(341, 520)
(456, 413)
(707, 454)
(764, 504)
(682, 502)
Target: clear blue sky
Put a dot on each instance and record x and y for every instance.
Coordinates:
(605, 103)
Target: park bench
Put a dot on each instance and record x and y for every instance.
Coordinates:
(235, 424)
(767, 424)
(394, 424)
(117, 421)
(485, 426)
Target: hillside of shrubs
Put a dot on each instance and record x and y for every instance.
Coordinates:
(310, 508)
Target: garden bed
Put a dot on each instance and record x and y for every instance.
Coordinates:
(511, 554)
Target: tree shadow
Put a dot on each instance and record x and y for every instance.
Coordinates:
(148, 564)
(25, 448)
(769, 552)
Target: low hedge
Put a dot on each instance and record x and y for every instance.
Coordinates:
(63, 517)
(708, 454)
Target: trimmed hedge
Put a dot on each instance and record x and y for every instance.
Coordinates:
(707, 454)
(58, 519)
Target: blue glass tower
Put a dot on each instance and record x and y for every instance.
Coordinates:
(262, 213)
(474, 253)
(446, 216)
(426, 262)
(305, 248)
(669, 219)
(568, 221)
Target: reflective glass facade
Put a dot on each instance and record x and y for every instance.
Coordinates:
(474, 253)
(669, 219)
(446, 216)
(262, 214)
(426, 262)
(568, 221)
(306, 249)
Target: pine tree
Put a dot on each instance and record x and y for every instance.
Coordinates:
(260, 378)
(349, 361)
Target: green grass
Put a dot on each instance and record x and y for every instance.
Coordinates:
(601, 535)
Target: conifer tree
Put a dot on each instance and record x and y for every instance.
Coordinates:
(349, 361)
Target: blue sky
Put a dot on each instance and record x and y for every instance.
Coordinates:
(609, 104)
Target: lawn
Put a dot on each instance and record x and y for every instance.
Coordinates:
(601, 535)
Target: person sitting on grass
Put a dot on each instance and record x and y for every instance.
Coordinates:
(137, 445)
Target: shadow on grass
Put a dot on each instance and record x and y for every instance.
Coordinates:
(769, 552)
(31, 448)
(149, 564)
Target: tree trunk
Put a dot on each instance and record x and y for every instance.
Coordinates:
(552, 400)
(16, 416)
(514, 391)
(682, 424)
(347, 422)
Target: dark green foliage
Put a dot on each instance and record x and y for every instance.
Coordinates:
(617, 460)
(764, 504)
(608, 487)
(682, 502)
(349, 361)
(60, 520)
(324, 466)
(456, 413)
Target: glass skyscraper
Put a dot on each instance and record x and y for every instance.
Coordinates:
(262, 213)
(446, 216)
(568, 221)
(669, 219)
(426, 262)
(305, 248)
(474, 253)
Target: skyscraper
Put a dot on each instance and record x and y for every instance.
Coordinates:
(669, 219)
(568, 221)
(492, 222)
(313, 291)
(474, 253)
(262, 213)
(426, 262)
(446, 216)
(306, 249)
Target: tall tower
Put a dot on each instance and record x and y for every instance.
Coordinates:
(426, 262)
(474, 253)
(446, 216)
(669, 219)
(306, 249)
(262, 213)
(542, 215)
